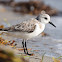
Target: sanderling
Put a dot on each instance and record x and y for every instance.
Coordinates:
(29, 29)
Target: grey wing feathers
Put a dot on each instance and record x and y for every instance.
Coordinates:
(25, 27)
(22, 27)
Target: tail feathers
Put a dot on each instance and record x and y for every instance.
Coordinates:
(3, 30)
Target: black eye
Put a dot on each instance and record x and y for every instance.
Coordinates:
(45, 18)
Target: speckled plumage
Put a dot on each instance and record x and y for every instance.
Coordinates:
(25, 26)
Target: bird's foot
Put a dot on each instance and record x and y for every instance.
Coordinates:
(29, 54)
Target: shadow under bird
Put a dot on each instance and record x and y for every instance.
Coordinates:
(29, 29)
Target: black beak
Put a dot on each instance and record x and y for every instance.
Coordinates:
(52, 24)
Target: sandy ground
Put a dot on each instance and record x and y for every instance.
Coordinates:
(14, 18)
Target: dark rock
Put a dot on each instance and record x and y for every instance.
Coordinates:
(33, 7)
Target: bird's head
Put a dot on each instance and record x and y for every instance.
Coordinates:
(44, 18)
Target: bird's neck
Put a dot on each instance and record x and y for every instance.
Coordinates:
(42, 26)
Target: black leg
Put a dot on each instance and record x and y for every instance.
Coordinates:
(26, 49)
(23, 46)
(23, 43)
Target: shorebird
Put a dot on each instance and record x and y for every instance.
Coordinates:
(29, 29)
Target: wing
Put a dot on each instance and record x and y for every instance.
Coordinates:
(26, 26)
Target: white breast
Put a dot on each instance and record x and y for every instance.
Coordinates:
(37, 30)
